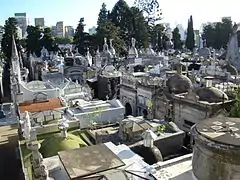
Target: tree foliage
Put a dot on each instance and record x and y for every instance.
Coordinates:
(10, 29)
(138, 28)
(108, 30)
(157, 37)
(33, 40)
(81, 38)
(124, 23)
(151, 8)
(235, 109)
(190, 42)
(217, 35)
(209, 35)
(47, 40)
(120, 17)
(37, 39)
(176, 38)
(103, 14)
(63, 40)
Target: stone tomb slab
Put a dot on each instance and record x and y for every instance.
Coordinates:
(223, 130)
(87, 161)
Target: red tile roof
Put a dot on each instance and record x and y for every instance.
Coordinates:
(40, 106)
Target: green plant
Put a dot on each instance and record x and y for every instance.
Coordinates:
(235, 109)
(149, 104)
(161, 128)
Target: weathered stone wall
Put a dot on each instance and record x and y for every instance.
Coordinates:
(169, 144)
(129, 96)
(185, 112)
(212, 161)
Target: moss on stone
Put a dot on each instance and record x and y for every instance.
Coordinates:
(54, 143)
(26, 158)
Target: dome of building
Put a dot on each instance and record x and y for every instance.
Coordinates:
(179, 84)
(211, 95)
(231, 69)
(55, 143)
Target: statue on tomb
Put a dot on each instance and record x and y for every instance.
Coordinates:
(63, 126)
(133, 53)
(105, 46)
(150, 51)
(89, 57)
(98, 59)
(106, 54)
(112, 50)
(44, 53)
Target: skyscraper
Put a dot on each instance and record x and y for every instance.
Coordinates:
(69, 31)
(92, 30)
(22, 20)
(39, 22)
(60, 29)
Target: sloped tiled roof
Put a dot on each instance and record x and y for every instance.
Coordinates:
(40, 106)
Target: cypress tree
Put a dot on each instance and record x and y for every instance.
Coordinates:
(190, 42)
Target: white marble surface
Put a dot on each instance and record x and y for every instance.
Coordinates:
(179, 170)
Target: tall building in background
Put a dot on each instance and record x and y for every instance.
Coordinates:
(23, 21)
(60, 29)
(54, 31)
(92, 30)
(39, 22)
(69, 31)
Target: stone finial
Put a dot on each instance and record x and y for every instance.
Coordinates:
(105, 46)
(63, 126)
(105, 41)
(133, 42)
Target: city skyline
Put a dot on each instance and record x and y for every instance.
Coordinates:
(174, 12)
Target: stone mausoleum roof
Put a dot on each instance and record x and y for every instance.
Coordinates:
(56, 143)
(211, 95)
(179, 83)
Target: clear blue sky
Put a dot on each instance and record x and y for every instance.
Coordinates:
(70, 11)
